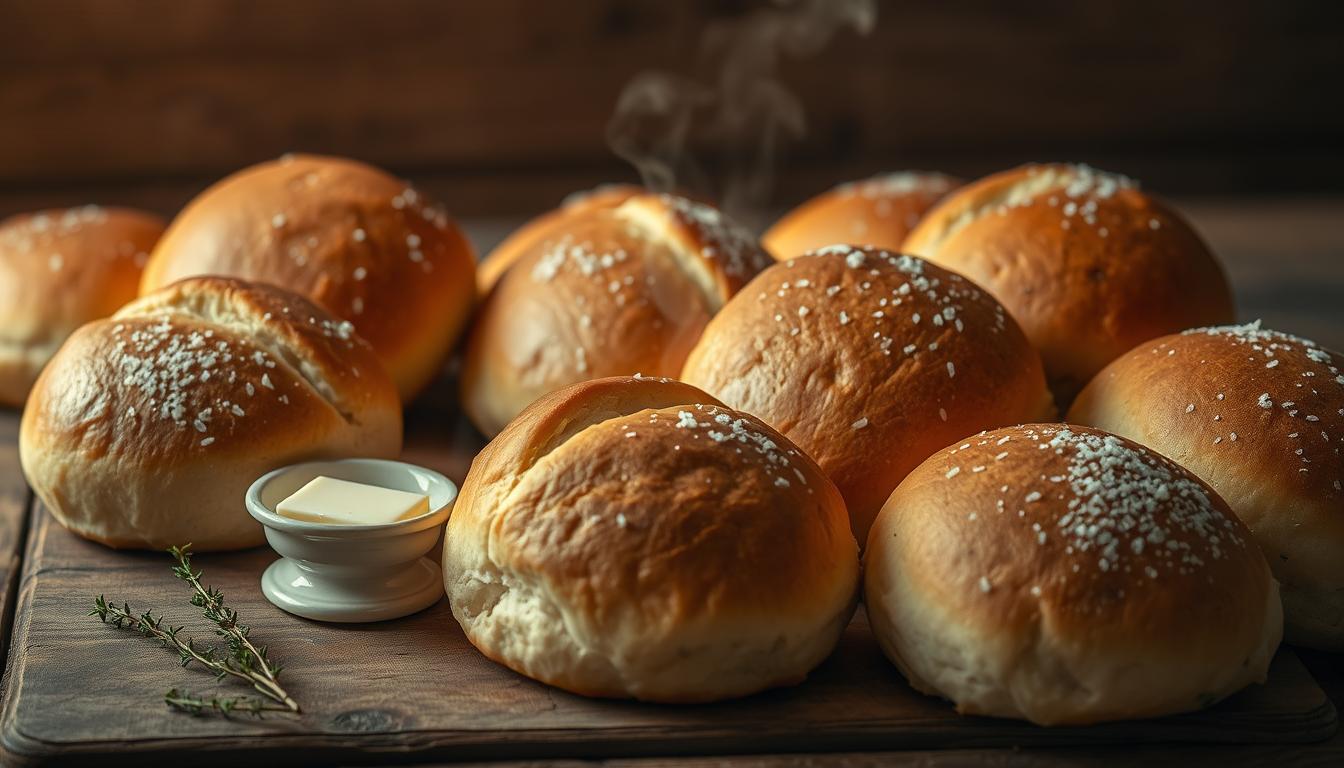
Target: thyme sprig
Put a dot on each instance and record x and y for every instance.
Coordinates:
(251, 659)
(244, 661)
(228, 705)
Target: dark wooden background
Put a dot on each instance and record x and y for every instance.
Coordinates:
(499, 107)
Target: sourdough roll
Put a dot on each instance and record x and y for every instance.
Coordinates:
(523, 239)
(869, 361)
(1088, 264)
(362, 244)
(1063, 575)
(1258, 415)
(611, 291)
(634, 538)
(60, 269)
(878, 211)
(147, 428)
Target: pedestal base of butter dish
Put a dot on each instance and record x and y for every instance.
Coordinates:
(313, 592)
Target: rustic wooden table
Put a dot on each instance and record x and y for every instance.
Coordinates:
(77, 692)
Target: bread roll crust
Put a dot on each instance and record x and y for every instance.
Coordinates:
(634, 538)
(60, 269)
(613, 291)
(147, 427)
(362, 244)
(1088, 264)
(870, 361)
(523, 239)
(1259, 415)
(879, 211)
(1066, 576)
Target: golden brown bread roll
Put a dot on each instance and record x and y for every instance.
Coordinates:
(364, 245)
(58, 270)
(521, 240)
(878, 211)
(631, 537)
(614, 291)
(1089, 265)
(1258, 415)
(1066, 576)
(870, 361)
(146, 428)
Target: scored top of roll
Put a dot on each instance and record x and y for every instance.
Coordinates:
(633, 537)
(147, 427)
(612, 291)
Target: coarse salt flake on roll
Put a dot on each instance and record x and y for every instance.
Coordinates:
(1259, 415)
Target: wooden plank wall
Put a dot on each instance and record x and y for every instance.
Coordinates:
(500, 106)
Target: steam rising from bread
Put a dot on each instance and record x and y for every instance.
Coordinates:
(739, 110)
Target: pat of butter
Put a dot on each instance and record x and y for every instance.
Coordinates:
(341, 502)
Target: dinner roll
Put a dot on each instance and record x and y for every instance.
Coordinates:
(1088, 265)
(358, 242)
(632, 537)
(869, 361)
(146, 428)
(517, 244)
(59, 270)
(1258, 415)
(878, 211)
(614, 291)
(1066, 576)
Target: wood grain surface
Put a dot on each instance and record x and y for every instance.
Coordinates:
(14, 502)
(1284, 260)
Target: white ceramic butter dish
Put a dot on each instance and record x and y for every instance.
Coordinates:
(352, 573)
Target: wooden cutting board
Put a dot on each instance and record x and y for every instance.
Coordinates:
(77, 690)
(14, 501)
